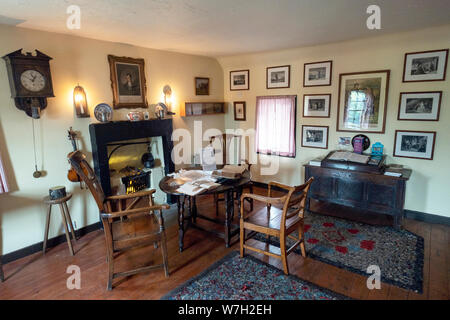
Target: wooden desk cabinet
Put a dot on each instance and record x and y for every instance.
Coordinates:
(369, 192)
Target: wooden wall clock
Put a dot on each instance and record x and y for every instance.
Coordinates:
(30, 81)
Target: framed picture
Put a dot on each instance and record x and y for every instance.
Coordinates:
(317, 74)
(201, 86)
(316, 105)
(127, 82)
(420, 106)
(315, 137)
(414, 144)
(362, 101)
(239, 80)
(278, 77)
(425, 66)
(239, 110)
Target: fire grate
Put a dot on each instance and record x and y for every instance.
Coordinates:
(136, 182)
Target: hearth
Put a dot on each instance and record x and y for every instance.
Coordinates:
(120, 145)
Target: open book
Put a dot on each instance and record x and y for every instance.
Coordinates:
(349, 156)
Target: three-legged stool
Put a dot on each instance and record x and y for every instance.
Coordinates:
(65, 215)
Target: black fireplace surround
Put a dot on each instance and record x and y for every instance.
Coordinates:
(104, 133)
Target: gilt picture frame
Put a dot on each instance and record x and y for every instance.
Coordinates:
(201, 86)
(128, 82)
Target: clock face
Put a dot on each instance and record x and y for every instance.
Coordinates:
(32, 80)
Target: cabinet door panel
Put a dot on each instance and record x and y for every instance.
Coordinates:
(381, 195)
(350, 190)
(322, 187)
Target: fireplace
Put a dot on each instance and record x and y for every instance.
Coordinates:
(117, 148)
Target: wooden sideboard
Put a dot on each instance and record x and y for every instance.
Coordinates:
(367, 192)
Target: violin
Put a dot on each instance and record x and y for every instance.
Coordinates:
(72, 175)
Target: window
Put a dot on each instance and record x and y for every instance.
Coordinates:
(356, 103)
(275, 125)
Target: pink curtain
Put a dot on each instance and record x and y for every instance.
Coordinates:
(275, 125)
(3, 183)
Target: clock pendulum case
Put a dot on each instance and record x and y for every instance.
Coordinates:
(30, 81)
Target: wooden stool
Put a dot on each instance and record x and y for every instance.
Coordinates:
(65, 218)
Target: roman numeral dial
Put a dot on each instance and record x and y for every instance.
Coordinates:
(32, 80)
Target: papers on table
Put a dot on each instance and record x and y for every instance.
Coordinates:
(349, 156)
(195, 181)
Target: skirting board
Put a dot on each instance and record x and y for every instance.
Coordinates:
(410, 214)
(18, 254)
(53, 242)
(427, 217)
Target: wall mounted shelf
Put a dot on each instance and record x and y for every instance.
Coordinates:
(202, 108)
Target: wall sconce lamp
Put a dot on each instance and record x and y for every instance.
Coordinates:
(167, 90)
(80, 102)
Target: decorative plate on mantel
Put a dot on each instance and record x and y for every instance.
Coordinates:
(103, 112)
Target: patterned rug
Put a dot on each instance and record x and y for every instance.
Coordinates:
(355, 246)
(233, 278)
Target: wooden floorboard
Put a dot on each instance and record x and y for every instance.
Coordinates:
(44, 276)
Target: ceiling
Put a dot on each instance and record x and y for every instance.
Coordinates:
(224, 27)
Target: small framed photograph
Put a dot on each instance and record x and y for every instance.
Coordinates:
(420, 106)
(425, 66)
(239, 80)
(362, 101)
(278, 77)
(315, 137)
(345, 141)
(414, 144)
(317, 74)
(316, 105)
(127, 82)
(201, 86)
(239, 110)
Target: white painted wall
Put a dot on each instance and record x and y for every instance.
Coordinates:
(84, 61)
(428, 190)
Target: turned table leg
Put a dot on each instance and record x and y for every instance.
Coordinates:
(180, 207)
(229, 212)
(194, 209)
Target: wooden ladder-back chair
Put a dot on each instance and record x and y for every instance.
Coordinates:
(281, 217)
(125, 228)
(226, 141)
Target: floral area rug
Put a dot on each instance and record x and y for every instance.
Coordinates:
(355, 246)
(235, 278)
